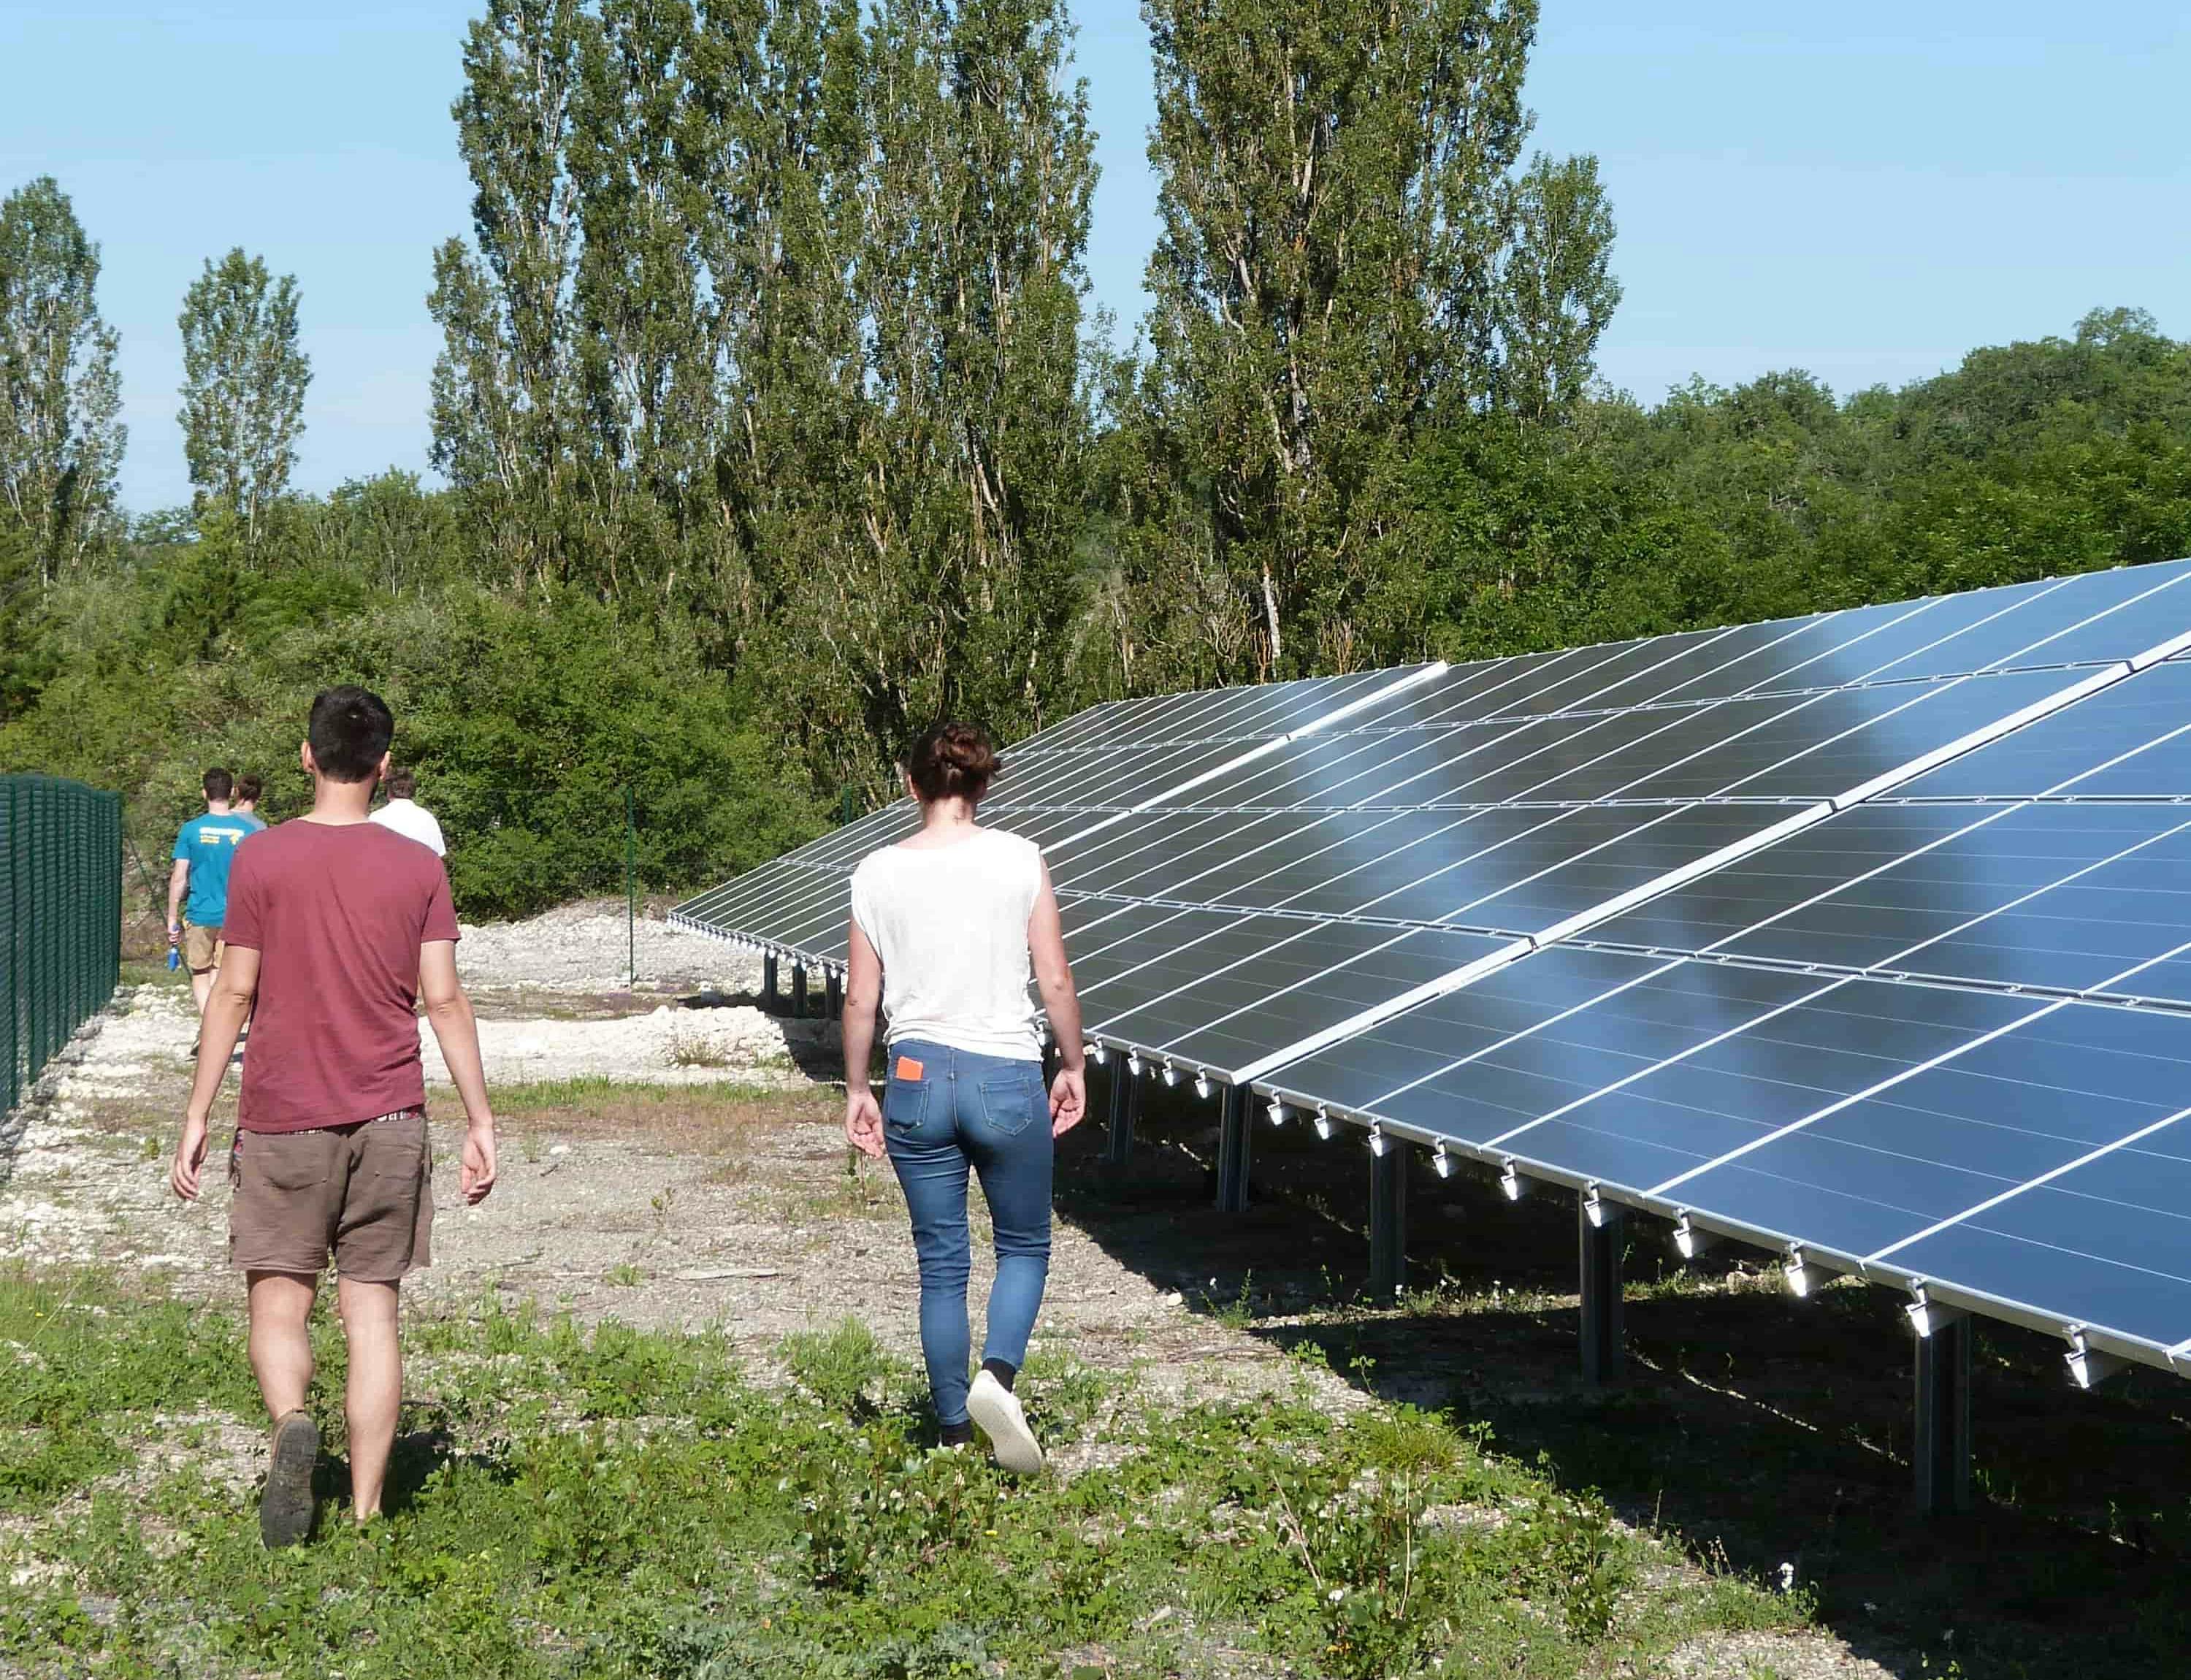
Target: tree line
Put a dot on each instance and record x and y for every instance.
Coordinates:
(773, 423)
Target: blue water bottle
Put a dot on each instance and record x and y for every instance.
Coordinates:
(175, 956)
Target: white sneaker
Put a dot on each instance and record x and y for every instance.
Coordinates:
(996, 1412)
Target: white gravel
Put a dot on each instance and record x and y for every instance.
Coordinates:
(586, 947)
(668, 1046)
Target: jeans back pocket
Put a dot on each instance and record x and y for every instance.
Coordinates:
(1009, 1101)
(905, 1103)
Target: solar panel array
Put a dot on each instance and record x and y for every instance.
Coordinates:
(1857, 933)
(1125, 750)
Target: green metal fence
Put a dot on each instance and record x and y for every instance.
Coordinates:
(60, 917)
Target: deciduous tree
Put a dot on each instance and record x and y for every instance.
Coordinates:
(61, 436)
(1347, 263)
(244, 378)
(505, 386)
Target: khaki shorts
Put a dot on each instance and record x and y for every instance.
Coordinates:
(202, 948)
(363, 1192)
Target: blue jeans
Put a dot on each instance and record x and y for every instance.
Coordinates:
(992, 1114)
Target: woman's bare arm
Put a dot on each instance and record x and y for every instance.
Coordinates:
(1053, 975)
(864, 990)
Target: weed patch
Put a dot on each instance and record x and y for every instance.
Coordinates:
(566, 1502)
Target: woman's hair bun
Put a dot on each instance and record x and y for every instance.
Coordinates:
(952, 760)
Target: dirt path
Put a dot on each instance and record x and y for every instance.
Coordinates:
(697, 1176)
(734, 1204)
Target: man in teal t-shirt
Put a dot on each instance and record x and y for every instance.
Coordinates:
(204, 849)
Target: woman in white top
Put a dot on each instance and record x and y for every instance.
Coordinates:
(946, 927)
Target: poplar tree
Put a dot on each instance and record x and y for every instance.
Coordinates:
(1342, 268)
(958, 591)
(1557, 291)
(772, 310)
(244, 379)
(504, 385)
(61, 437)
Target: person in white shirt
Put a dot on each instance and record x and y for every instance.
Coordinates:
(949, 926)
(406, 816)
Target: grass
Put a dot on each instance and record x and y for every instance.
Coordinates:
(611, 1100)
(698, 1053)
(608, 1503)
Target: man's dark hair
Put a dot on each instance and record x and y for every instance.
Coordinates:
(401, 784)
(219, 783)
(248, 787)
(350, 732)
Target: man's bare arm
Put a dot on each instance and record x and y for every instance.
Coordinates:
(179, 883)
(449, 1012)
(228, 1006)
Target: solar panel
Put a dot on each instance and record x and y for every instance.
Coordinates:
(1942, 1040)
(799, 905)
(1516, 828)
(1862, 933)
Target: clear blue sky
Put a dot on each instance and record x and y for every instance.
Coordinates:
(1865, 190)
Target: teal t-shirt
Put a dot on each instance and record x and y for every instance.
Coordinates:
(207, 843)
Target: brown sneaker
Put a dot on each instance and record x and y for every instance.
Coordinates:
(285, 1509)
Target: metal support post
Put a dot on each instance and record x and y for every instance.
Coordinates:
(1388, 1220)
(1125, 1103)
(772, 994)
(833, 996)
(1940, 1455)
(1603, 1233)
(798, 989)
(1233, 1133)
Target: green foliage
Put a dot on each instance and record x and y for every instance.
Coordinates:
(838, 1366)
(243, 385)
(524, 720)
(71, 1387)
(2030, 460)
(773, 429)
(619, 1503)
(61, 436)
(771, 316)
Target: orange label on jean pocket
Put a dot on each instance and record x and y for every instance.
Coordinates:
(908, 1068)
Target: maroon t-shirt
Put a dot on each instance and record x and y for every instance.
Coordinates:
(337, 915)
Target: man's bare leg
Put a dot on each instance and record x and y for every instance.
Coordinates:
(281, 1339)
(376, 1387)
(282, 1359)
(202, 986)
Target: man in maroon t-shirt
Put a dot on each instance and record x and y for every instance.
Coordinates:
(336, 927)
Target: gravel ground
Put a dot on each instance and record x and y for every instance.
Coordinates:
(667, 1045)
(749, 1218)
(586, 947)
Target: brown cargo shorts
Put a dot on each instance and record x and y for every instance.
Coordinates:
(203, 948)
(363, 1192)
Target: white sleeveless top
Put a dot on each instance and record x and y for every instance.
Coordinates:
(951, 926)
